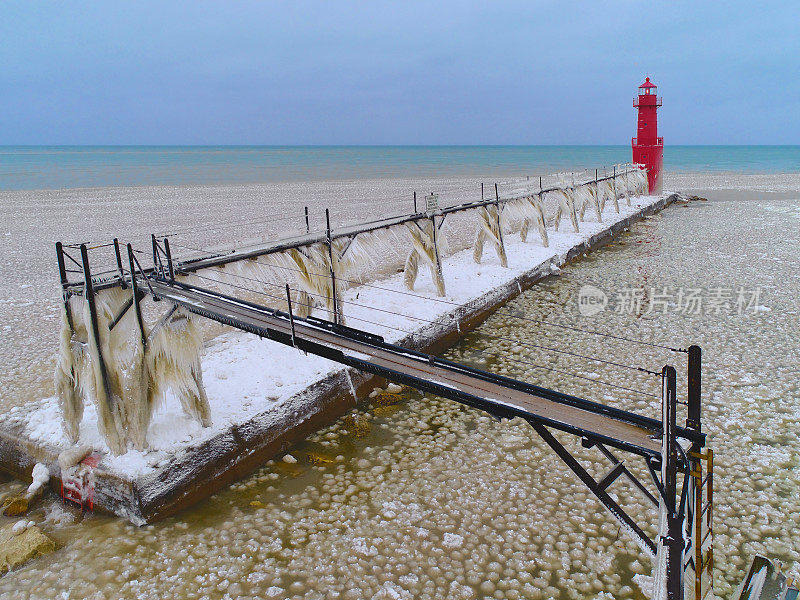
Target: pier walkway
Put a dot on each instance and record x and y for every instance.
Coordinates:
(672, 480)
(495, 394)
(663, 445)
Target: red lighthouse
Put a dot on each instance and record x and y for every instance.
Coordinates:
(648, 148)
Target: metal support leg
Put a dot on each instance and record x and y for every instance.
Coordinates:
(596, 488)
(62, 273)
(120, 270)
(334, 286)
(168, 254)
(110, 415)
(291, 316)
(673, 541)
(693, 399)
(136, 297)
(439, 277)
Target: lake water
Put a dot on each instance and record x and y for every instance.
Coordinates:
(56, 167)
(436, 500)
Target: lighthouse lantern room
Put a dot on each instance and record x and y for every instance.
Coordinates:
(648, 148)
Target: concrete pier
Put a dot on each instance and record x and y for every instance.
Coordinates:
(196, 468)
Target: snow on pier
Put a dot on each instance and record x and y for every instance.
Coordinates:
(263, 396)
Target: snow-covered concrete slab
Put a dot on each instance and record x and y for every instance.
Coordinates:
(265, 396)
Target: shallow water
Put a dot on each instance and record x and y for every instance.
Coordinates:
(440, 501)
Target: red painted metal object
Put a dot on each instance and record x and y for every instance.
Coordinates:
(648, 148)
(77, 483)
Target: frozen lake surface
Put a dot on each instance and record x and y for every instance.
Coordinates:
(436, 500)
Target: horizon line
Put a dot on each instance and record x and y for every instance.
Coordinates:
(381, 145)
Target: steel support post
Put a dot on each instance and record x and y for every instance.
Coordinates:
(693, 398)
(291, 315)
(62, 274)
(94, 330)
(673, 541)
(137, 309)
(156, 258)
(499, 229)
(334, 287)
(694, 524)
(169, 260)
(120, 270)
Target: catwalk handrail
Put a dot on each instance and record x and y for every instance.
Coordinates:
(636, 369)
(223, 257)
(331, 340)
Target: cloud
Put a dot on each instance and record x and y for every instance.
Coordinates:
(394, 73)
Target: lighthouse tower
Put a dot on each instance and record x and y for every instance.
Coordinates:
(648, 148)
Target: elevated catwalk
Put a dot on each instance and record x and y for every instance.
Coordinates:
(197, 469)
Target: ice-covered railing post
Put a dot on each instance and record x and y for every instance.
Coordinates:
(145, 398)
(67, 377)
(111, 414)
(425, 246)
(489, 227)
(566, 205)
(62, 273)
(338, 314)
(533, 203)
(137, 297)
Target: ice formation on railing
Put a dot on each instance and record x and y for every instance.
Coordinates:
(124, 377)
(126, 372)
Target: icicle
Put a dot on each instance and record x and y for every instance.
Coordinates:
(302, 304)
(585, 196)
(352, 387)
(612, 186)
(606, 191)
(173, 360)
(312, 272)
(71, 362)
(534, 208)
(623, 185)
(423, 240)
(112, 418)
(581, 202)
(566, 204)
(602, 192)
(595, 193)
(489, 228)
(138, 391)
(639, 181)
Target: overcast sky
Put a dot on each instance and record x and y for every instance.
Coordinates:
(396, 72)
